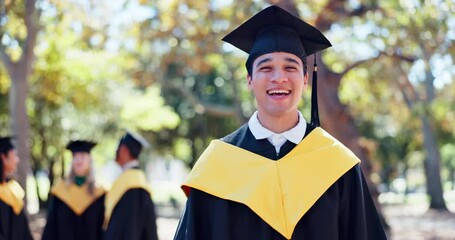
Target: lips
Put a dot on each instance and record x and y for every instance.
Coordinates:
(278, 92)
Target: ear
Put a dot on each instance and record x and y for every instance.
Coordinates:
(250, 82)
(305, 80)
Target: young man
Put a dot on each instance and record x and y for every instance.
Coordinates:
(130, 212)
(76, 209)
(278, 177)
(13, 221)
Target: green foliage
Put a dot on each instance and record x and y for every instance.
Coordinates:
(146, 111)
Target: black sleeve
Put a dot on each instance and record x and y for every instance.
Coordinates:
(181, 232)
(195, 221)
(3, 221)
(133, 217)
(51, 223)
(13, 226)
(22, 227)
(359, 218)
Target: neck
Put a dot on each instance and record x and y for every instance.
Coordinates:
(279, 124)
(130, 164)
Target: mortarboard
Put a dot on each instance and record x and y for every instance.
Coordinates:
(5, 144)
(80, 146)
(134, 142)
(276, 30)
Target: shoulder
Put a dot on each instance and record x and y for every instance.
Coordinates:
(309, 128)
(136, 195)
(137, 192)
(238, 136)
(132, 178)
(58, 186)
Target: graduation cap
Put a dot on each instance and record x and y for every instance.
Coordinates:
(5, 144)
(276, 30)
(80, 146)
(134, 142)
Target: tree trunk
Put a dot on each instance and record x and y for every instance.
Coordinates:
(452, 176)
(337, 120)
(432, 166)
(19, 121)
(19, 72)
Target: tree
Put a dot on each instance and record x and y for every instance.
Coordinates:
(80, 89)
(427, 41)
(18, 36)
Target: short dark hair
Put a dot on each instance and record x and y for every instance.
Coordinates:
(134, 149)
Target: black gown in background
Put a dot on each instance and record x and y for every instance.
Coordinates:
(63, 223)
(344, 211)
(133, 216)
(13, 226)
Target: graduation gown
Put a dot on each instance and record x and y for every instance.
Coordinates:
(74, 214)
(315, 190)
(13, 221)
(130, 211)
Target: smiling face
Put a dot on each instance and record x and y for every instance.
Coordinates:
(277, 81)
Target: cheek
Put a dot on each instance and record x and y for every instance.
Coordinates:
(84, 163)
(9, 164)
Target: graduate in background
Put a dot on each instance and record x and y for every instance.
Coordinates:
(13, 221)
(76, 207)
(130, 211)
(278, 177)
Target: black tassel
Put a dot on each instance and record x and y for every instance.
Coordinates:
(314, 97)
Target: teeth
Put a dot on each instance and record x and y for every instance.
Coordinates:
(278, 92)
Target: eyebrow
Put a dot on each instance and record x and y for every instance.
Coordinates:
(270, 59)
(263, 61)
(292, 60)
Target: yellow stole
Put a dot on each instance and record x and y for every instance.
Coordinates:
(76, 197)
(130, 179)
(279, 192)
(13, 195)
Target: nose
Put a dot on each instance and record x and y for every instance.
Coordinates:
(279, 76)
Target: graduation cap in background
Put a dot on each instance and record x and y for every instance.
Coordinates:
(5, 144)
(276, 30)
(80, 146)
(134, 142)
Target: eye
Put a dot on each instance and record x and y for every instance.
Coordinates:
(291, 68)
(265, 68)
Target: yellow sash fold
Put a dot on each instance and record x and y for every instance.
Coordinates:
(76, 197)
(130, 179)
(13, 195)
(279, 192)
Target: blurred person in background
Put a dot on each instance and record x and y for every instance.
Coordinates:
(13, 220)
(76, 207)
(277, 176)
(130, 211)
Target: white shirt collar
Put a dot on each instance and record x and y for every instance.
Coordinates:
(131, 164)
(294, 135)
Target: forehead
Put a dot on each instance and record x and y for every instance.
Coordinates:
(80, 153)
(278, 56)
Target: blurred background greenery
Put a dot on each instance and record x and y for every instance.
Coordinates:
(89, 69)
